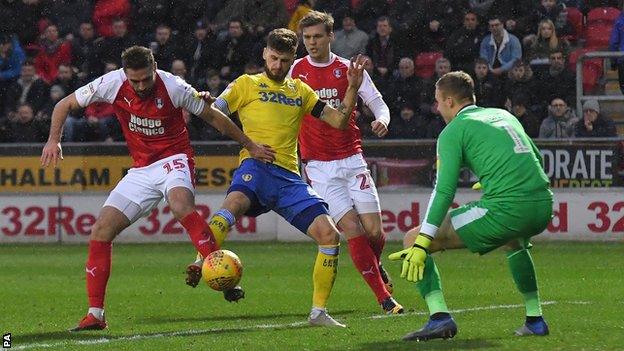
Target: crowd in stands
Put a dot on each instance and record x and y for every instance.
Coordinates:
(518, 52)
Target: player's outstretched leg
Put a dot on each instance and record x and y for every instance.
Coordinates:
(323, 231)
(440, 325)
(523, 273)
(108, 225)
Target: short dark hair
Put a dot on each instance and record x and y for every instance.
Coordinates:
(496, 16)
(283, 40)
(481, 61)
(137, 57)
(313, 18)
(458, 85)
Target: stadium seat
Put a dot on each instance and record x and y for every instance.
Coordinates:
(592, 69)
(597, 35)
(602, 14)
(291, 6)
(575, 17)
(425, 64)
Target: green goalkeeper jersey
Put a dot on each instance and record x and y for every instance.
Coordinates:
(493, 145)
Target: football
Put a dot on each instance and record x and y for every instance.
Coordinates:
(222, 270)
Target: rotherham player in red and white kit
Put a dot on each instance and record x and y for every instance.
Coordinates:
(333, 158)
(148, 104)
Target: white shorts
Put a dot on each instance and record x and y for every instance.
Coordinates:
(139, 191)
(344, 184)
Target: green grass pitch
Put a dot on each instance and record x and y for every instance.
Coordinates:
(150, 308)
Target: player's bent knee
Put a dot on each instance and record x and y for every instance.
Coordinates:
(513, 245)
(181, 202)
(323, 231)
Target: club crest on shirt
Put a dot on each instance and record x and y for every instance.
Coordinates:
(159, 103)
(337, 73)
(292, 86)
(247, 177)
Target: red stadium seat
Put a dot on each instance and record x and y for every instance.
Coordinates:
(291, 6)
(602, 14)
(575, 17)
(592, 69)
(425, 64)
(597, 35)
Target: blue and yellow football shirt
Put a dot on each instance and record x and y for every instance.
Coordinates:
(270, 112)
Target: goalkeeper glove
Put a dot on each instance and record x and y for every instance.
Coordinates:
(476, 186)
(413, 258)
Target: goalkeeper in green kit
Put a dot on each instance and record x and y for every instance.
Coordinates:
(516, 204)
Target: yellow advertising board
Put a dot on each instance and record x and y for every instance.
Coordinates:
(98, 173)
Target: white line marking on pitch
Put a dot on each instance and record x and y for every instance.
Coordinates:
(105, 340)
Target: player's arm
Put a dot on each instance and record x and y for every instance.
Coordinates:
(52, 151)
(339, 117)
(449, 163)
(374, 101)
(224, 124)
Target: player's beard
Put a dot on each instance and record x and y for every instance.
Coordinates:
(278, 78)
(145, 93)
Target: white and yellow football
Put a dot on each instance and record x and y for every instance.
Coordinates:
(222, 270)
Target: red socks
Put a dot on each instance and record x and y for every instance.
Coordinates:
(98, 269)
(368, 266)
(377, 244)
(200, 233)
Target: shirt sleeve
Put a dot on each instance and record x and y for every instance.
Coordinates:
(309, 97)
(231, 98)
(102, 89)
(449, 151)
(183, 94)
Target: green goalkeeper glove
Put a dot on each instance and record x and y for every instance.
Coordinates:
(413, 258)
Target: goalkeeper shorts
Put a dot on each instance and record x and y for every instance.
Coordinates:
(484, 225)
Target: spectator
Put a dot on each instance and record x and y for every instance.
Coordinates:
(23, 127)
(413, 126)
(516, 14)
(427, 93)
(553, 11)
(436, 19)
(107, 12)
(462, 46)
(198, 51)
(383, 48)
(480, 7)
(178, 68)
(185, 14)
(100, 123)
(268, 14)
(500, 48)
(487, 87)
(520, 104)
(544, 44)
(53, 52)
(111, 48)
(368, 12)
(234, 49)
(85, 52)
(558, 81)
(304, 7)
(594, 124)
(12, 58)
(520, 81)
(45, 114)
(349, 41)
(66, 79)
(560, 122)
(616, 43)
(163, 47)
(28, 89)
(339, 9)
(383, 83)
(406, 86)
(67, 14)
(147, 14)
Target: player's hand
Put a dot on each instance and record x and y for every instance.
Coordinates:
(52, 152)
(262, 152)
(379, 128)
(205, 95)
(413, 268)
(355, 73)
